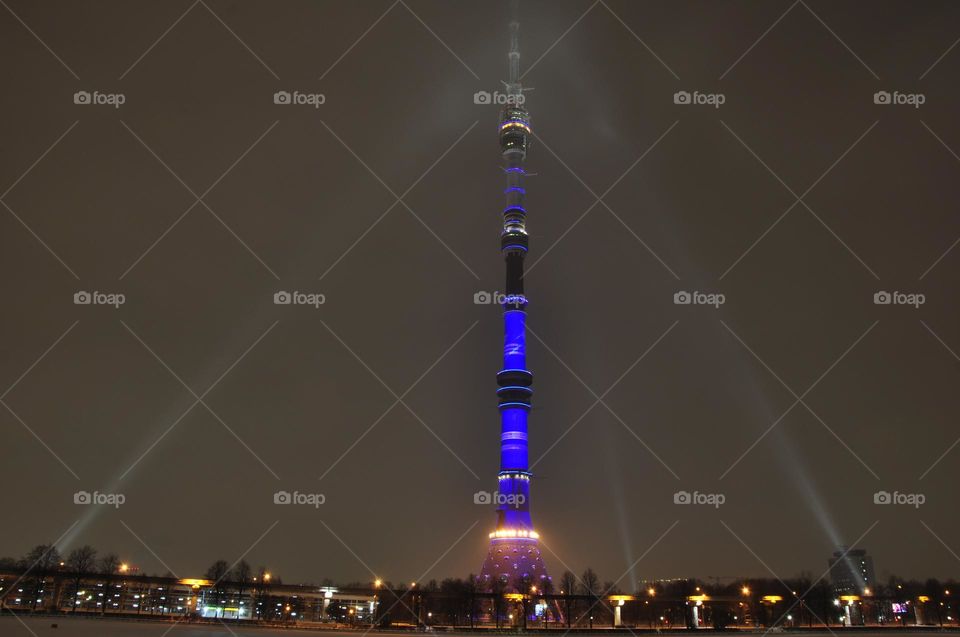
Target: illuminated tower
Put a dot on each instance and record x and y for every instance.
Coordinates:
(514, 553)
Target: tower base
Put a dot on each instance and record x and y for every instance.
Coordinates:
(516, 562)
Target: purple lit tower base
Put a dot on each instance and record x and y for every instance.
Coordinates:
(513, 560)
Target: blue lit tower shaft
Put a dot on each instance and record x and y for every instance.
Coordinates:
(514, 548)
(514, 379)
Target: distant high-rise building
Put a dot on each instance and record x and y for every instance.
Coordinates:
(851, 571)
(513, 556)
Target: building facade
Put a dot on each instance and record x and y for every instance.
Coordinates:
(171, 597)
(851, 571)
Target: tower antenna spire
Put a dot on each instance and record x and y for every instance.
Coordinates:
(513, 84)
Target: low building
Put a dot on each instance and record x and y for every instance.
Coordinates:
(142, 595)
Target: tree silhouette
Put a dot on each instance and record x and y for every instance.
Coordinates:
(42, 561)
(568, 586)
(241, 575)
(589, 582)
(218, 572)
(80, 563)
(107, 567)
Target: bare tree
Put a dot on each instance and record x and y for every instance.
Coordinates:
(590, 583)
(218, 572)
(42, 561)
(80, 563)
(241, 576)
(547, 588)
(568, 586)
(109, 564)
(261, 590)
(473, 586)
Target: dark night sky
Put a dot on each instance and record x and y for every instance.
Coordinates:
(300, 212)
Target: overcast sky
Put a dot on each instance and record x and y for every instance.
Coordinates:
(798, 199)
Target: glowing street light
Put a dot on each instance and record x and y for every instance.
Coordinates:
(377, 583)
(651, 591)
(124, 567)
(745, 590)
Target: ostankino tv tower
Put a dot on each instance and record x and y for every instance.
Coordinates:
(514, 553)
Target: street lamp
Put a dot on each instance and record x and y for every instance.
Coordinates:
(745, 590)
